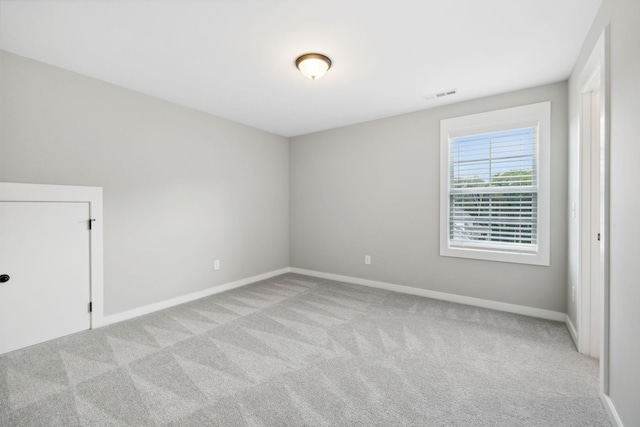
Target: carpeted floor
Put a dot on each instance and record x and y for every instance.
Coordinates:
(301, 351)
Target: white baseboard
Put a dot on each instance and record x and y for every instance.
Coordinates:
(140, 311)
(572, 330)
(611, 411)
(461, 299)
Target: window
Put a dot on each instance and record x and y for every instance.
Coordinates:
(494, 194)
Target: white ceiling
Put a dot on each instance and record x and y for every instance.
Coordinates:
(235, 58)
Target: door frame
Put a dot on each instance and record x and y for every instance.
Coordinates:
(594, 76)
(16, 192)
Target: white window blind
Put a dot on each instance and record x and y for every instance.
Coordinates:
(493, 190)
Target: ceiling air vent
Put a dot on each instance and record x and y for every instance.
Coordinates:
(441, 94)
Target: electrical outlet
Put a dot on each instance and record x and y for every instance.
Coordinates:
(367, 259)
(216, 264)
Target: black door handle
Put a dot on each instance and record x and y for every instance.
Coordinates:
(4, 278)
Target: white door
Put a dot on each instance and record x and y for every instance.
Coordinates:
(45, 251)
(597, 203)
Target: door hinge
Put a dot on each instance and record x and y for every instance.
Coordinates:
(90, 307)
(90, 223)
(598, 237)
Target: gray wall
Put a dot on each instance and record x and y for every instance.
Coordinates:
(373, 189)
(625, 206)
(181, 188)
(624, 353)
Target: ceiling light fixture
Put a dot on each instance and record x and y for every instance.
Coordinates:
(313, 65)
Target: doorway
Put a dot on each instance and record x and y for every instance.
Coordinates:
(593, 291)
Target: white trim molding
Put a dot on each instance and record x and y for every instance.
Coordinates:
(460, 299)
(443, 296)
(572, 330)
(611, 410)
(141, 311)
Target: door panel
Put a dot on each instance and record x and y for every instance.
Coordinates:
(44, 248)
(596, 229)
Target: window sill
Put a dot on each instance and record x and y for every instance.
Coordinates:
(496, 255)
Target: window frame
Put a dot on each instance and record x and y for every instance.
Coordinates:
(489, 122)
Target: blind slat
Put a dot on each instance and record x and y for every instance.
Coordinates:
(493, 189)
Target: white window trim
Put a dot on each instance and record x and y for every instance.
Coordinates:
(495, 121)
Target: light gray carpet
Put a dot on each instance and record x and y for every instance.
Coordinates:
(300, 351)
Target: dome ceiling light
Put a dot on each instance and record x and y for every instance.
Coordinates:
(313, 65)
